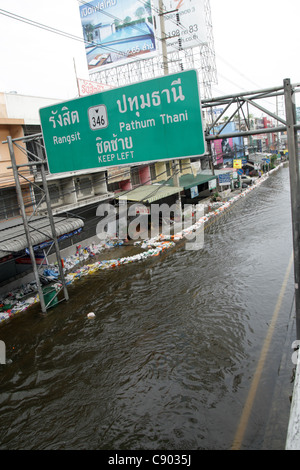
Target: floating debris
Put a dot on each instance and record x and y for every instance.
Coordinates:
(18, 300)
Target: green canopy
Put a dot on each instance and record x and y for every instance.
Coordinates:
(187, 181)
(149, 193)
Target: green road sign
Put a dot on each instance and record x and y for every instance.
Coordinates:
(152, 120)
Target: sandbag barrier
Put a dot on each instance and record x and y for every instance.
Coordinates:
(17, 301)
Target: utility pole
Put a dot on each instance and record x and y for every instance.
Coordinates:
(163, 38)
(175, 164)
(292, 141)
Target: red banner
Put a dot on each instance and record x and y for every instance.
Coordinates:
(85, 87)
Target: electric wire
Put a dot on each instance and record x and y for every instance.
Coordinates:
(54, 30)
(119, 19)
(29, 203)
(71, 36)
(134, 170)
(51, 29)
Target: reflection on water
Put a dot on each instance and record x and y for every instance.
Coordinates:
(168, 360)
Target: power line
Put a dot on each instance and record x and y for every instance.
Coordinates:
(108, 48)
(51, 29)
(30, 203)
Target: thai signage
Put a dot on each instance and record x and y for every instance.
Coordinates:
(86, 87)
(185, 24)
(237, 163)
(158, 119)
(224, 179)
(116, 30)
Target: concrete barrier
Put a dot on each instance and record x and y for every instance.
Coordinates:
(293, 434)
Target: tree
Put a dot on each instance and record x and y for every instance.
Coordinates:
(127, 20)
(147, 6)
(88, 30)
(140, 12)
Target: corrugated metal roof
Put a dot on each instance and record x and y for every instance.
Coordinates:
(13, 238)
(188, 180)
(149, 193)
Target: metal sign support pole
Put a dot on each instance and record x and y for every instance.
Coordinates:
(25, 222)
(295, 188)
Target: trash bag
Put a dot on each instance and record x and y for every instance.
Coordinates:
(50, 273)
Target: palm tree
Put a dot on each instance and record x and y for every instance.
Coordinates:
(88, 31)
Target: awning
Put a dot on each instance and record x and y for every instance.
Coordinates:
(13, 238)
(188, 181)
(149, 193)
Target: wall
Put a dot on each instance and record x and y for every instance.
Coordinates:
(25, 107)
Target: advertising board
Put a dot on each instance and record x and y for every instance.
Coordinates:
(191, 29)
(224, 179)
(237, 163)
(157, 119)
(224, 150)
(116, 31)
(119, 31)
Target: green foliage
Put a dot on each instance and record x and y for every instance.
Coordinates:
(215, 197)
(273, 161)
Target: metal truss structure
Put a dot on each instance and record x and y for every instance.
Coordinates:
(237, 106)
(36, 162)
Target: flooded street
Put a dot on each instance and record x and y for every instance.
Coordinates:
(169, 359)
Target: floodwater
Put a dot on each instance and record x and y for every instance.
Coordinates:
(169, 359)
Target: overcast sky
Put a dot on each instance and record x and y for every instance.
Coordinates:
(256, 45)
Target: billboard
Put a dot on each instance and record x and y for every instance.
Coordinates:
(191, 30)
(157, 119)
(116, 31)
(224, 150)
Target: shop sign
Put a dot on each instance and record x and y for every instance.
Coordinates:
(194, 192)
(224, 179)
(237, 163)
(212, 184)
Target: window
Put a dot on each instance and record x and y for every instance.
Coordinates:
(34, 147)
(113, 186)
(135, 176)
(152, 172)
(9, 206)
